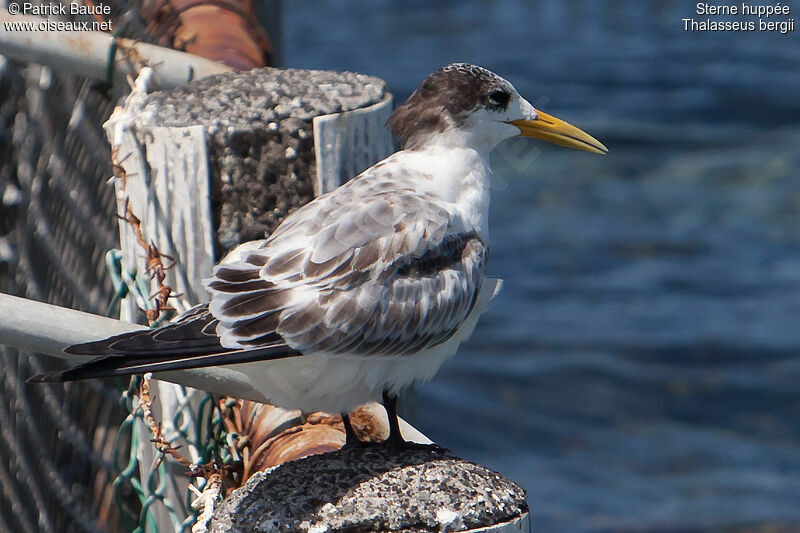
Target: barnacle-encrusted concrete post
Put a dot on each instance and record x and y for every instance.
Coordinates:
(274, 139)
(375, 489)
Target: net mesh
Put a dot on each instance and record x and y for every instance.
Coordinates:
(61, 446)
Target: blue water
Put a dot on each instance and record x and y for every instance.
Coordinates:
(640, 370)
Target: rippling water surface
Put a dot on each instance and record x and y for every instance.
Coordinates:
(641, 369)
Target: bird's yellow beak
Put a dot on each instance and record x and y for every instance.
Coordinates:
(551, 129)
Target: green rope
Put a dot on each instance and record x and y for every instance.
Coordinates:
(126, 281)
(155, 483)
(114, 267)
(208, 440)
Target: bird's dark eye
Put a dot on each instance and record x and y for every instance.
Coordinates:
(499, 97)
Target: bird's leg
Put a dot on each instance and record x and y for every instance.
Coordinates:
(351, 439)
(390, 403)
(396, 439)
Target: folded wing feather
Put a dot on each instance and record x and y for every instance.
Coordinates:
(372, 269)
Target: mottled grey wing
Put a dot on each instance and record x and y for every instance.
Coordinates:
(372, 269)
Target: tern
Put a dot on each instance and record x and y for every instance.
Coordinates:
(365, 289)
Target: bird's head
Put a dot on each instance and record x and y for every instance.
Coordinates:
(472, 106)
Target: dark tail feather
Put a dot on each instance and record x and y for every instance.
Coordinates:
(101, 347)
(121, 365)
(188, 342)
(187, 336)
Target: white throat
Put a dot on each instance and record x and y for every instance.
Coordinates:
(458, 175)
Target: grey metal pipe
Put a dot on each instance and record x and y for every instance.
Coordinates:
(86, 53)
(44, 328)
(47, 329)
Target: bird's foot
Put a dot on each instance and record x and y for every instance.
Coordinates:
(396, 445)
(352, 441)
(361, 444)
(399, 443)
